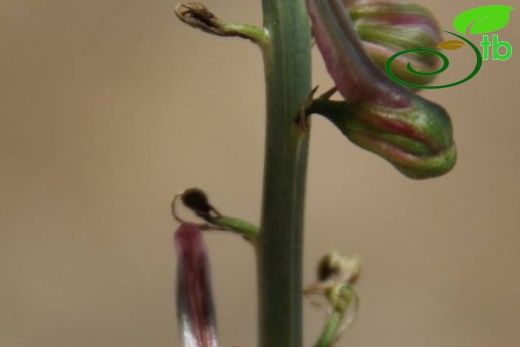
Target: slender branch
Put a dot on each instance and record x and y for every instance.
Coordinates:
(237, 225)
(344, 304)
(199, 16)
(197, 201)
(288, 81)
(330, 331)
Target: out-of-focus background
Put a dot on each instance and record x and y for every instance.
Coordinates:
(109, 107)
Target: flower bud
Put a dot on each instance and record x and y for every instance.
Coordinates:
(417, 140)
(389, 27)
(384, 117)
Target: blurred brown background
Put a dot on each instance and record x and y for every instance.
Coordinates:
(109, 107)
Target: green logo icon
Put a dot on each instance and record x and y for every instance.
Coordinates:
(479, 20)
(483, 19)
(495, 44)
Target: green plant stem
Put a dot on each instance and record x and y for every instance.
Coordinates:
(330, 330)
(238, 226)
(288, 82)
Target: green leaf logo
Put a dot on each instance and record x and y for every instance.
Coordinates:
(483, 19)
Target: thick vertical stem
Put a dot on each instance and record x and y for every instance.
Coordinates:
(288, 81)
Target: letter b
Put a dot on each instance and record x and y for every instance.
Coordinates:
(496, 46)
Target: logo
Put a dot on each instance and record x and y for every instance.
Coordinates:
(480, 21)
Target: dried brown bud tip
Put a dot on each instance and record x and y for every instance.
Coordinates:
(196, 200)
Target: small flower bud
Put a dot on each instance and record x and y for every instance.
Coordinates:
(414, 134)
(417, 140)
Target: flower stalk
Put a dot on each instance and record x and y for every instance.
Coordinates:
(377, 114)
(337, 275)
(288, 84)
(199, 16)
(197, 201)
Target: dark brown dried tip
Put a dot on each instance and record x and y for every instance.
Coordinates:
(325, 269)
(196, 200)
(338, 267)
(197, 15)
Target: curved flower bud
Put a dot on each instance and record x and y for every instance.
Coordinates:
(389, 27)
(414, 134)
(195, 311)
(417, 140)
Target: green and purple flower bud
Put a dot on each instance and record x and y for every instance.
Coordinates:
(417, 140)
(195, 310)
(389, 27)
(412, 133)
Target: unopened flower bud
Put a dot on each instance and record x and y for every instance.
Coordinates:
(414, 134)
(389, 27)
(417, 139)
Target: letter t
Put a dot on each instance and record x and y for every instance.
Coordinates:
(485, 47)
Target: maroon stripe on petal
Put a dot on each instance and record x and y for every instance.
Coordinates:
(195, 309)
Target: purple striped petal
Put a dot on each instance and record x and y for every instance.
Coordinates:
(195, 309)
(390, 27)
(355, 75)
